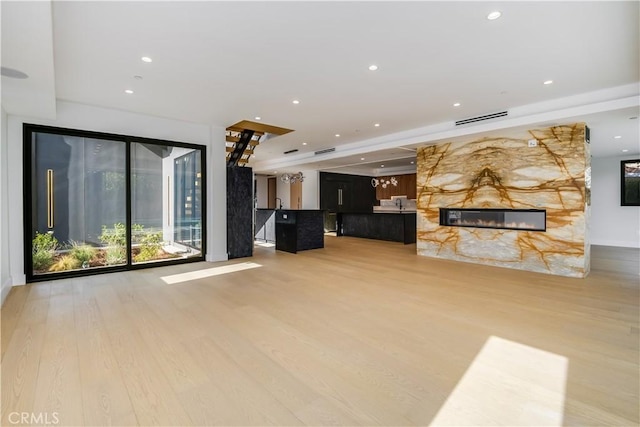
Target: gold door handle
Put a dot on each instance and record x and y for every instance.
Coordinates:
(50, 198)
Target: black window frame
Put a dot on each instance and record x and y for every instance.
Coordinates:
(28, 129)
(623, 185)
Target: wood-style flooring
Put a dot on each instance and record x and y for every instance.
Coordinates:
(361, 332)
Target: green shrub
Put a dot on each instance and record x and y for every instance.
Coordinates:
(115, 255)
(116, 236)
(66, 262)
(44, 242)
(43, 249)
(116, 241)
(137, 231)
(42, 260)
(84, 253)
(150, 245)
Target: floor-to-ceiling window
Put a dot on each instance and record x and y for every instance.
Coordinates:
(97, 202)
(187, 189)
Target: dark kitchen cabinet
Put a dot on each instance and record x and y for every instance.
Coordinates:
(337, 196)
(344, 193)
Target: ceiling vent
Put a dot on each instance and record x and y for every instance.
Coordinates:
(328, 150)
(291, 151)
(481, 118)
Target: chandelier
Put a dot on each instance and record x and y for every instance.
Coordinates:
(383, 182)
(292, 178)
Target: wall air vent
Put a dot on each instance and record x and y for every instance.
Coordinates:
(291, 151)
(481, 118)
(325, 151)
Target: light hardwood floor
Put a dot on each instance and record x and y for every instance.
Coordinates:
(359, 333)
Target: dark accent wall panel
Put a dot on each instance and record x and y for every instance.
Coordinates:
(310, 230)
(239, 212)
(394, 227)
(299, 230)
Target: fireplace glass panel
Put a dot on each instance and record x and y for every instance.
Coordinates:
(510, 219)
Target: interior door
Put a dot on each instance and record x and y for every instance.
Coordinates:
(295, 195)
(271, 193)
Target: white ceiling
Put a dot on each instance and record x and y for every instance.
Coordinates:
(222, 62)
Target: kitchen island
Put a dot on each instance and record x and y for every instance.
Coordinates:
(299, 230)
(394, 226)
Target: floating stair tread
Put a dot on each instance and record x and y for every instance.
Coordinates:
(258, 127)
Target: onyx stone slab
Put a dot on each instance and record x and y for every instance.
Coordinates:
(239, 212)
(299, 230)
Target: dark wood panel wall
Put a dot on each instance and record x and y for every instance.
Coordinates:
(406, 187)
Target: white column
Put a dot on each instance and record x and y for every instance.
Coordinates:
(311, 190)
(5, 249)
(14, 203)
(216, 196)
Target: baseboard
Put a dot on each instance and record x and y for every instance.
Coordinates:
(616, 243)
(217, 257)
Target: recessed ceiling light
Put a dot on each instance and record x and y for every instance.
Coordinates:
(494, 15)
(377, 125)
(547, 82)
(381, 166)
(337, 135)
(617, 137)
(373, 67)
(258, 117)
(304, 143)
(361, 158)
(456, 104)
(412, 162)
(295, 101)
(146, 59)
(129, 91)
(624, 151)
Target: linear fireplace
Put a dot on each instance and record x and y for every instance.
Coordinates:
(509, 219)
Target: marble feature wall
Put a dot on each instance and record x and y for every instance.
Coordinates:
(540, 169)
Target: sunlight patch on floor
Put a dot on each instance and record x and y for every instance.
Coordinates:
(209, 272)
(508, 383)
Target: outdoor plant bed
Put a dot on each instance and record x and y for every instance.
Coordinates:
(98, 260)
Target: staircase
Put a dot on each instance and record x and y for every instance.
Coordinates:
(243, 137)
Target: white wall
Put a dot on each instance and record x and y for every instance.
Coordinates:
(283, 191)
(84, 117)
(5, 272)
(311, 190)
(262, 191)
(217, 195)
(611, 224)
